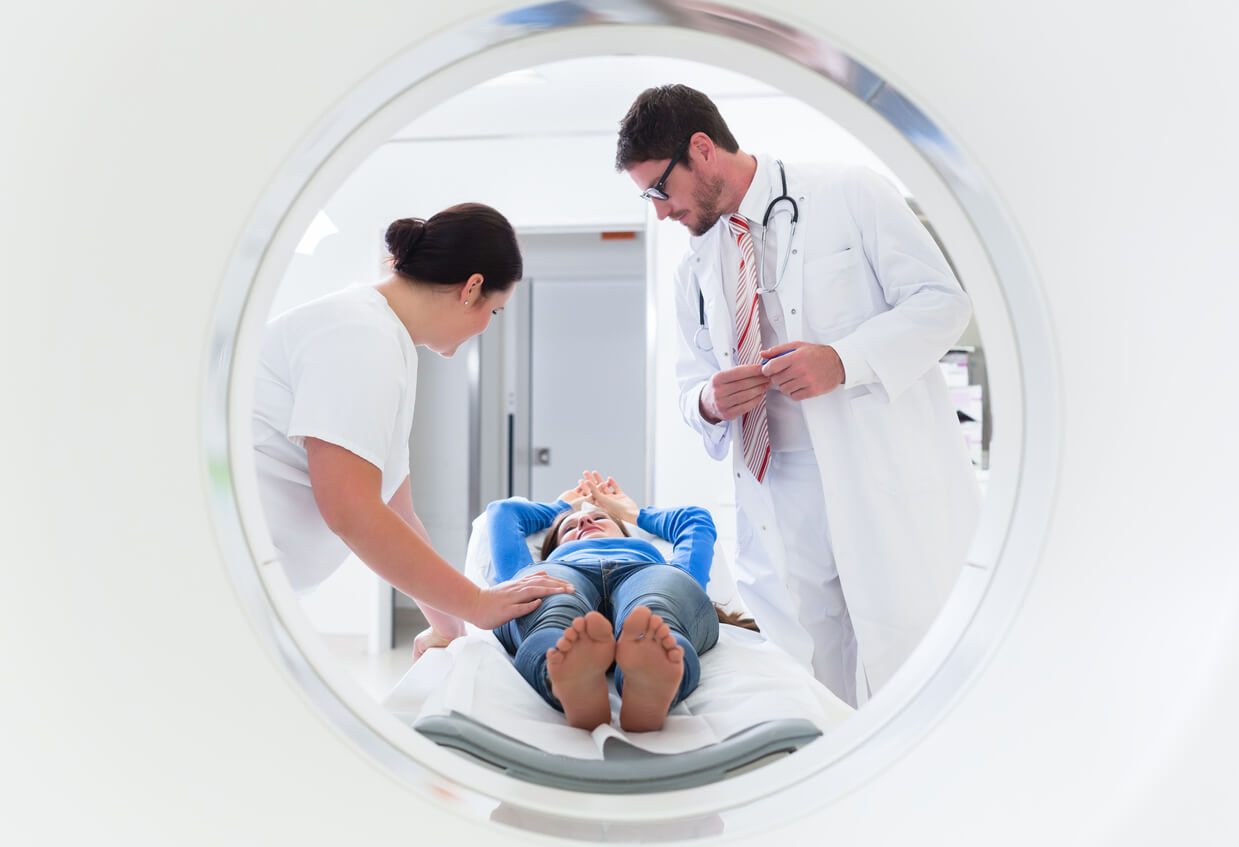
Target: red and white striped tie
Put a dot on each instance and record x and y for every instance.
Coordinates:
(754, 432)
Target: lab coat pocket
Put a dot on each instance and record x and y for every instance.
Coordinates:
(838, 290)
(899, 449)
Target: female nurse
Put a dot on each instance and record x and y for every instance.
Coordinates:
(333, 412)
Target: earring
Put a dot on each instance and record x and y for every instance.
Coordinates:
(466, 302)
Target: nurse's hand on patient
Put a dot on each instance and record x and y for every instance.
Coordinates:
(802, 370)
(730, 393)
(501, 603)
(429, 639)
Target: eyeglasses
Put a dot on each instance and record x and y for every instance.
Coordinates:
(655, 191)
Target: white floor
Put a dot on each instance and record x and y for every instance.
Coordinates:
(378, 673)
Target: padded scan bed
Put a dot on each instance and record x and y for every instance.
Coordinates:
(624, 769)
(753, 703)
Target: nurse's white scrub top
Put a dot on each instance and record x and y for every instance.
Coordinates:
(342, 369)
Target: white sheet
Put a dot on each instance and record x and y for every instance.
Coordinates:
(744, 680)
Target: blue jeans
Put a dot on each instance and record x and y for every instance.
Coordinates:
(613, 588)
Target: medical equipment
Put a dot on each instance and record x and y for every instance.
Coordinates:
(787, 249)
(753, 701)
(771, 209)
(627, 769)
(168, 690)
(702, 330)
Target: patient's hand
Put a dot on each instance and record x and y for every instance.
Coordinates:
(574, 497)
(429, 639)
(607, 494)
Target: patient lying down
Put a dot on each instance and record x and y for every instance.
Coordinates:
(647, 654)
(665, 620)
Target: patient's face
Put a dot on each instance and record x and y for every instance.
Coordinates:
(591, 524)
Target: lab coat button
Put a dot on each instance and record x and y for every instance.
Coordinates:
(793, 311)
(794, 252)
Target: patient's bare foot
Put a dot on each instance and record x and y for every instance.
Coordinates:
(653, 664)
(578, 665)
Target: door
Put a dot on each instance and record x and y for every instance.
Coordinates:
(586, 403)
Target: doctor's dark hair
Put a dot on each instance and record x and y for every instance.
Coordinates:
(455, 244)
(661, 119)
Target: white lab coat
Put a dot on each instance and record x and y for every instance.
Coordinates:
(901, 497)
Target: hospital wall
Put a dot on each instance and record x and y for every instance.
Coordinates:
(141, 706)
(533, 145)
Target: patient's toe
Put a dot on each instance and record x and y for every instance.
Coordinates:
(596, 627)
(636, 624)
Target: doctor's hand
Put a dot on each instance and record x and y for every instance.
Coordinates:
(730, 393)
(429, 639)
(501, 603)
(803, 370)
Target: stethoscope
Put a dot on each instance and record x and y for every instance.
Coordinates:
(771, 208)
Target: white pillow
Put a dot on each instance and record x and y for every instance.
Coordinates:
(480, 569)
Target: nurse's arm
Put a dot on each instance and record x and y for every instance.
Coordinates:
(447, 626)
(347, 491)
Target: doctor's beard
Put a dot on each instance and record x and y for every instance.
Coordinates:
(706, 197)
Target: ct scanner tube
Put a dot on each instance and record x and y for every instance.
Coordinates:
(1099, 710)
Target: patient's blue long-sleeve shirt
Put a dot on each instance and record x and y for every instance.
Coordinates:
(690, 529)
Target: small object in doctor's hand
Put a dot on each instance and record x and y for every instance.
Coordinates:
(777, 355)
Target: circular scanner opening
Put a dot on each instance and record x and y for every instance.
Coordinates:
(968, 221)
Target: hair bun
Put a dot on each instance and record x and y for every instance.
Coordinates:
(403, 236)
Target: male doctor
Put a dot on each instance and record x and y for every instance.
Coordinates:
(810, 329)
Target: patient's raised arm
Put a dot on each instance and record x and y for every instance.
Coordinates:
(606, 494)
(690, 529)
(576, 495)
(508, 523)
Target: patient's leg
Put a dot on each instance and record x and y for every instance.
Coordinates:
(652, 663)
(577, 666)
(677, 598)
(528, 638)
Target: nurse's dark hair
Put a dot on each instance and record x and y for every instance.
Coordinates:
(661, 119)
(467, 239)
